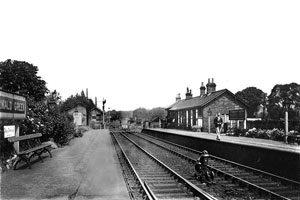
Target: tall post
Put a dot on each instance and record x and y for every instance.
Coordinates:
(17, 134)
(286, 123)
(286, 104)
(103, 102)
(209, 114)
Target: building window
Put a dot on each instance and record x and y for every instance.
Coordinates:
(192, 118)
(196, 113)
(187, 118)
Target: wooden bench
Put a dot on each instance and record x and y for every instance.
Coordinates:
(31, 146)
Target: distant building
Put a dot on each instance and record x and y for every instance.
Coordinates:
(157, 123)
(79, 115)
(201, 110)
(126, 117)
(95, 118)
(95, 115)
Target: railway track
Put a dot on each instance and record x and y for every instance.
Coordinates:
(155, 179)
(266, 184)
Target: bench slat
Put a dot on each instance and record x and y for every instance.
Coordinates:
(34, 149)
(24, 137)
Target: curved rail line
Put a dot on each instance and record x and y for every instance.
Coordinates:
(159, 180)
(274, 186)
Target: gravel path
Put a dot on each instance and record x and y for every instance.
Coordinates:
(88, 168)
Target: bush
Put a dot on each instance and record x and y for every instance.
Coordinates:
(236, 132)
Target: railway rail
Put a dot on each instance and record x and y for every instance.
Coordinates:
(155, 179)
(269, 185)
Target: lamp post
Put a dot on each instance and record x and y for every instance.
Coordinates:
(209, 114)
(103, 106)
(286, 105)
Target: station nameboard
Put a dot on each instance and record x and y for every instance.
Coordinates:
(12, 106)
(237, 114)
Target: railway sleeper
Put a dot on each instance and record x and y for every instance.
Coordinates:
(294, 193)
(280, 189)
(154, 175)
(163, 185)
(173, 190)
(269, 184)
(176, 196)
(158, 178)
(160, 181)
(151, 172)
(292, 196)
(252, 178)
(240, 174)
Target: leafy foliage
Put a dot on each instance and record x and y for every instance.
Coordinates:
(76, 100)
(49, 122)
(144, 114)
(115, 115)
(158, 112)
(277, 97)
(141, 113)
(254, 97)
(19, 76)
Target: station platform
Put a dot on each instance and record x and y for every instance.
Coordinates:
(88, 168)
(255, 142)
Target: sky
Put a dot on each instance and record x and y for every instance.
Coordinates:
(143, 53)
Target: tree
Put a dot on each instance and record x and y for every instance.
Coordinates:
(21, 77)
(276, 99)
(158, 112)
(253, 97)
(76, 100)
(115, 115)
(141, 113)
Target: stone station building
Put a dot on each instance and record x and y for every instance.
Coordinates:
(200, 111)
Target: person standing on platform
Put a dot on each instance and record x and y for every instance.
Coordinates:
(218, 124)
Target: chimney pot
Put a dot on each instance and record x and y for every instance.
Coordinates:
(178, 97)
(211, 87)
(202, 89)
(188, 94)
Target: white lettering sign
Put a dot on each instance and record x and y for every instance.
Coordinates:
(9, 131)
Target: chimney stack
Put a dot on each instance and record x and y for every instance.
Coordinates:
(178, 98)
(211, 86)
(202, 89)
(188, 94)
(96, 101)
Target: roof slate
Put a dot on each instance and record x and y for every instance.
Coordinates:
(198, 101)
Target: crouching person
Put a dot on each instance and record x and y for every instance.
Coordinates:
(203, 173)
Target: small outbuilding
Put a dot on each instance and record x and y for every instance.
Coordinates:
(79, 114)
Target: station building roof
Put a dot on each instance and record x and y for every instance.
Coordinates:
(202, 101)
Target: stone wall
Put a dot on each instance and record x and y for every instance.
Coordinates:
(221, 105)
